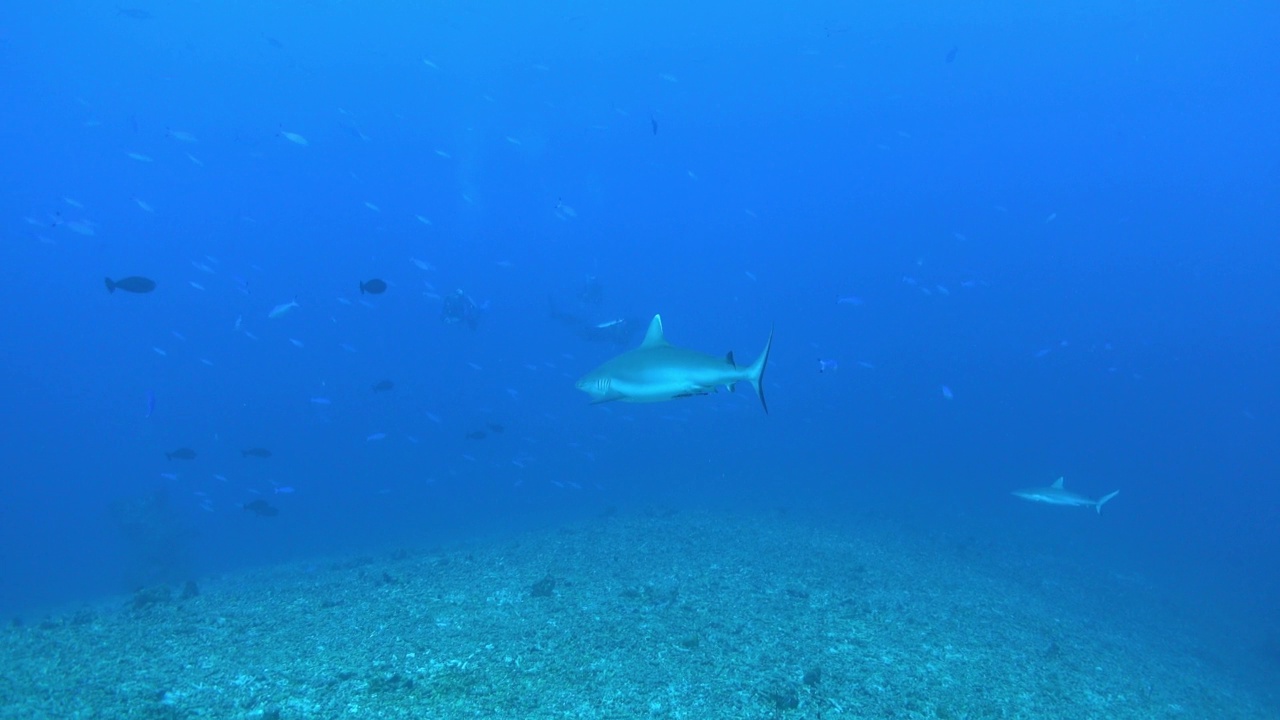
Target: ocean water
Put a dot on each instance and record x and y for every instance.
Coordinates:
(995, 244)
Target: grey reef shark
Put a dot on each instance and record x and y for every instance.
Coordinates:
(658, 370)
(1055, 494)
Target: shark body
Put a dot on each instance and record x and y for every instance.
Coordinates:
(1055, 494)
(658, 370)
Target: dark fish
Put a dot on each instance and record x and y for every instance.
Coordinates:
(495, 427)
(477, 435)
(383, 386)
(261, 508)
(256, 452)
(274, 42)
(373, 287)
(653, 124)
(951, 54)
(181, 454)
(133, 284)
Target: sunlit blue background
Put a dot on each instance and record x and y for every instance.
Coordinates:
(1064, 213)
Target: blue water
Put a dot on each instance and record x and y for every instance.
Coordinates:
(1039, 240)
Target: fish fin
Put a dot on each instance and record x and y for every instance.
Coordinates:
(654, 338)
(755, 373)
(1057, 484)
(1102, 501)
(729, 359)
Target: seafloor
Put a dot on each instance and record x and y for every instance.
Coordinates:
(663, 615)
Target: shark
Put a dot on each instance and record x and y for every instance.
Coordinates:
(658, 371)
(1055, 494)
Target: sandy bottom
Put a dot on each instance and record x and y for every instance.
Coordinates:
(660, 615)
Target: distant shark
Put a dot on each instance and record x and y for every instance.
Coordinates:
(658, 370)
(1055, 494)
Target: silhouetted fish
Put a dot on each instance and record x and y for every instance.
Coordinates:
(133, 284)
(261, 508)
(256, 452)
(181, 454)
(373, 287)
(495, 427)
(653, 124)
(951, 54)
(383, 386)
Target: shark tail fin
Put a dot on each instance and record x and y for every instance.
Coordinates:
(755, 373)
(1104, 499)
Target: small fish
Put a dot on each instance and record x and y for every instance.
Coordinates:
(284, 490)
(181, 454)
(294, 138)
(376, 437)
(144, 205)
(827, 365)
(383, 386)
(373, 286)
(947, 394)
(951, 54)
(256, 452)
(423, 220)
(497, 428)
(372, 207)
(261, 508)
(282, 309)
(848, 300)
(133, 284)
(653, 124)
(180, 136)
(140, 157)
(422, 264)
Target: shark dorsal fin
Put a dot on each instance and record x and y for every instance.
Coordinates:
(1057, 484)
(654, 338)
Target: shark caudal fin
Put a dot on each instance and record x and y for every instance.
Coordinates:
(1104, 499)
(755, 373)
